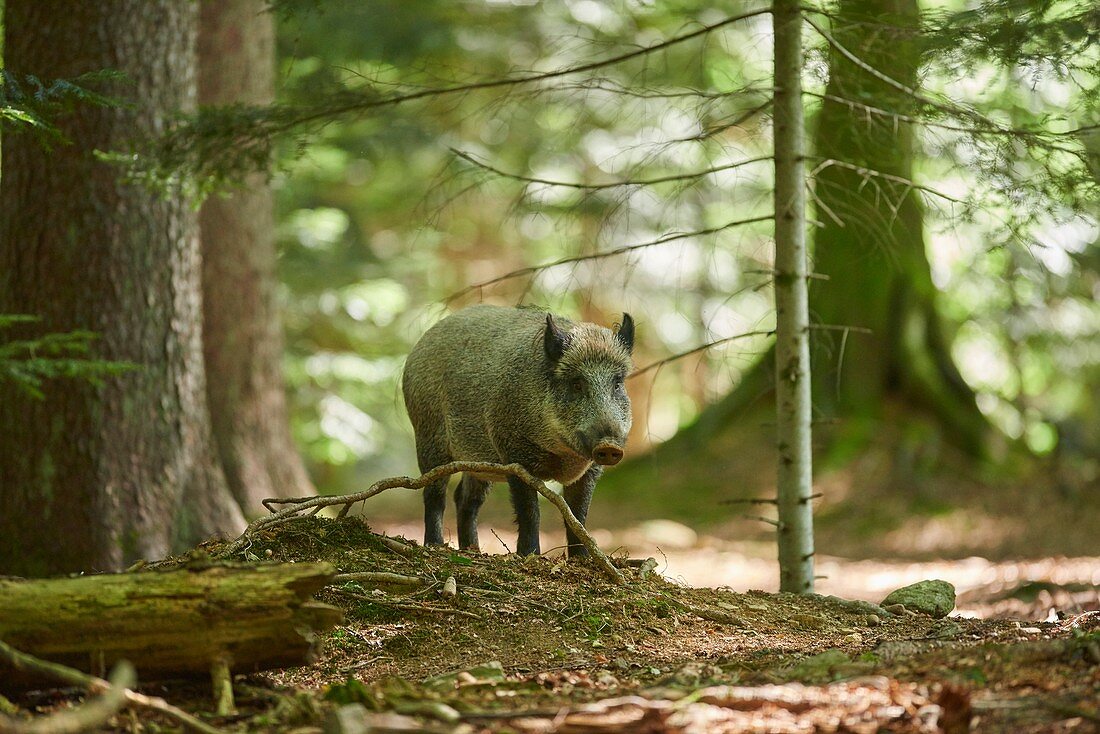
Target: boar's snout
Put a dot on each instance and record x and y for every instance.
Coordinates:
(607, 454)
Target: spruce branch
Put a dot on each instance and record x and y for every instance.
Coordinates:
(29, 104)
(220, 145)
(603, 254)
(695, 350)
(28, 363)
(611, 184)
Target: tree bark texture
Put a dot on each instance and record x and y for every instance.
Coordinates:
(94, 477)
(242, 331)
(792, 329)
(168, 624)
(871, 244)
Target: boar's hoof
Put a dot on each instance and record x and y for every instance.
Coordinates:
(607, 454)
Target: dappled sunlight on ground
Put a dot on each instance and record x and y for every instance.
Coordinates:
(1028, 589)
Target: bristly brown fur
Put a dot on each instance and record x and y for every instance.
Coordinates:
(591, 343)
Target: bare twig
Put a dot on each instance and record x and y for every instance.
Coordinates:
(869, 173)
(767, 271)
(439, 472)
(92, 715)
(611, 184)
(774, 523)
(695, 350)
(393, 544)
(841, 327)
(671, 237)
(760, 500)
(381, 578)
(950, 108)
(368, 103)
(500, 540)
(406, 605)
(72, 677)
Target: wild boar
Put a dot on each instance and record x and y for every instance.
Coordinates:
(517, 385)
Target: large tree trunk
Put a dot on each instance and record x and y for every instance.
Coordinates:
(871, 244)
(242, 333)
(94, 477)
(879, 279)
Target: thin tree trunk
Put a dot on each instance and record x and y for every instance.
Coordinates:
(792, 348)
(242, 332)
(94, 477)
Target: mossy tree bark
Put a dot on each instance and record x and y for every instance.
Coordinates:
(168, 624)
(871, 244)
(242, 331)
(873, 251)
(879, 279)
(94, 477)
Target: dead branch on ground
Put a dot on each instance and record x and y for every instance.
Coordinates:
(72, 677)
(295, 509)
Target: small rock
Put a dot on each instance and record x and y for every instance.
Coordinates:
(349, 719)
(855, 638)
(1031, 630)
(935, 598)
(855, 606)
(606, 679)
(872, 620)
(946, 630)
(809, 621)
(434, 709)
(898, 609)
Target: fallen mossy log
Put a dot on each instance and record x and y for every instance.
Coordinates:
(182, 623)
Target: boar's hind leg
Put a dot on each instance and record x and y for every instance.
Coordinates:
(578, 495)
(525, 501)
(469, 496)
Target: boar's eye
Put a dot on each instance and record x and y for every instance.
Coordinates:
(618, 381)
(576, 385)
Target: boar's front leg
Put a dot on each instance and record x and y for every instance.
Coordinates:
(469, 497)
(435, 500)
(525, 501)
(578, 496)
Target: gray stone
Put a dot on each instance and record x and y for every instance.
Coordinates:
(348, 719)
(935, 598)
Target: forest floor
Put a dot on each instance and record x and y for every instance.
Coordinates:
(543, 644)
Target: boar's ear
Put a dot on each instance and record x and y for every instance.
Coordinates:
(554, 340)
(625, 333)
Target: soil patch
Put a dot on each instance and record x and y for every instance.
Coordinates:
(526, 643)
